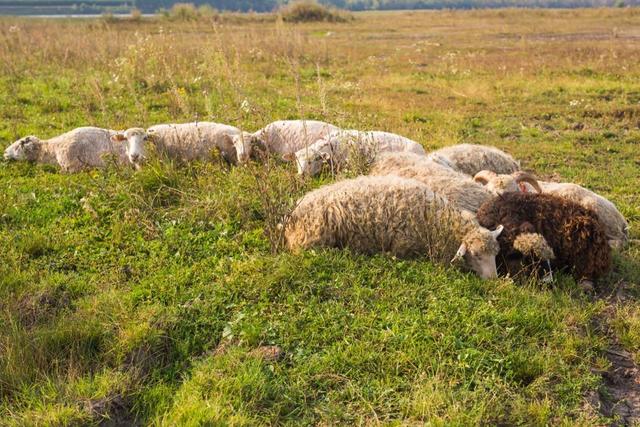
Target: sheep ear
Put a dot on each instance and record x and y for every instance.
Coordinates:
(118, 137)
(461, 251)
(497, 231)
(288, 157)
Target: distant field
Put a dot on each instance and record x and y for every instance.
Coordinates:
(141, 297)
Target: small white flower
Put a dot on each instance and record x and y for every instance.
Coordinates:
(244, 106)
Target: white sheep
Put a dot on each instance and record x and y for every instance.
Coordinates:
(76, 150)
(283, 136)
(471, 159)
(339, 146)
(184, 142)
(460, 189)
(616, 227)
(373, 214)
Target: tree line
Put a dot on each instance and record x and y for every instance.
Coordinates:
(270, 5)
(150, 6)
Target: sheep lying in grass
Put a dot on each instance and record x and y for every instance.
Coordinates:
(184, 142)
(471, 159)
(459, 188)
(283, 136)
(573, 232)
(393, 215)
(616, 227)
(340, 146)
(76, 150)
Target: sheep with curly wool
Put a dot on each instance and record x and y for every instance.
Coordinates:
(471, 159)
(283, 137)
(388, 214)
(74, 151)
(574, 233)
(340, 146)
(184, 142)
(460, 189)
(616, 227)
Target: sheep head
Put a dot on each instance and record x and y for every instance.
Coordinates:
(310, 160)
(24, 149)
(243, 143)
(134, 139)
(500, 184)
(479, 249)
(533, 245)
(534, 251)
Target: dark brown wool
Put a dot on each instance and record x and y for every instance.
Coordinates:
(574, 233)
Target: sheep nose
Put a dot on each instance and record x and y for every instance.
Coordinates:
(135, 157)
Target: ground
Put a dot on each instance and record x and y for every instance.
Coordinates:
(162, 296)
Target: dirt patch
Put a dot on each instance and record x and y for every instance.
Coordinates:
(268, 353)
(619, 396)
(111, 411)
(39, 308)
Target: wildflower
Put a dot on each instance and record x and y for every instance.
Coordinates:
(244, 106)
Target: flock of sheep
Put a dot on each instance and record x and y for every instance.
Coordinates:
(501, 219)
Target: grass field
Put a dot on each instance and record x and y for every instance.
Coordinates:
(147, 297)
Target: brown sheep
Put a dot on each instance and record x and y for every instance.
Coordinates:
(573, 232)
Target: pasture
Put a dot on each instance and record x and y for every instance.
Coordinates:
(151, 297)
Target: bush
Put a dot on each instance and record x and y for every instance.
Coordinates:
(310, 11)
(206, 11)
(136, 14)
(183, 12)
(189, 12)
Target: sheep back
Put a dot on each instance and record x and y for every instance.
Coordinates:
(369, 215)
(194, 141)
(84, 148)
(471, 159)
(456, 187)
(616, 227)
(289, 136)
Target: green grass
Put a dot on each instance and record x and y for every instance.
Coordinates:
(138, 296)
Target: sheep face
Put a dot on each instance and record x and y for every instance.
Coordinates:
(24, 149)
(479, 249)
(310, 160)
(134, 139)
(499, 184)
(502, 184)
(244, 146)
